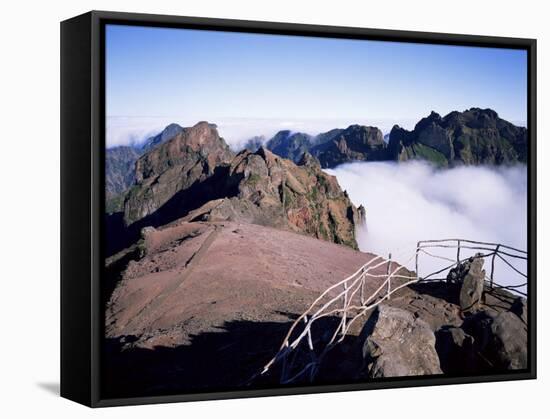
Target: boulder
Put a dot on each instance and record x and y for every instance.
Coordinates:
(398, 344)
(500, 339)
(471, 277)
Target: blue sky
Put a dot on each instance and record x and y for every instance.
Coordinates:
(163, 75)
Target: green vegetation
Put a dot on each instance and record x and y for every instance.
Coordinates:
(430, 154)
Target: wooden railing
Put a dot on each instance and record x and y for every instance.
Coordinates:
(484, 250)
(347, 300)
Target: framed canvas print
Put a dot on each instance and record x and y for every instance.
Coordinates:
(253, 208)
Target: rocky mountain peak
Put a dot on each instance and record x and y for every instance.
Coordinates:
(200, 141)
(195, 176)
(475, 136)
(189, 157)
(431, 120)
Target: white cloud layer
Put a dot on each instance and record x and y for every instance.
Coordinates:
(413, 201)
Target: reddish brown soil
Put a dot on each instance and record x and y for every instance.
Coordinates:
(196, 276)
(206, 305)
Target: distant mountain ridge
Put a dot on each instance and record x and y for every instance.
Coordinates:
(472, 137)
(120, 164)
(475, 136)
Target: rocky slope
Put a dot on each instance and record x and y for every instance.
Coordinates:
(189, 158)
(204, 305)
(196, 175)
(475, 136)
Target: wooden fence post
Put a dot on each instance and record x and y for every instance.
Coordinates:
(388, 275)
(363, 286)
(344, 314)
(493, 264)
(416, 263)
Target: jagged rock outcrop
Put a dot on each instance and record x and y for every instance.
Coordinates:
(272, 191)
(196, 175)
(398, 344)
(471, 278)
(189, 158)
(355, 143)
(475, 136)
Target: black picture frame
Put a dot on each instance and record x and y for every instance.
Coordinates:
(82, 195)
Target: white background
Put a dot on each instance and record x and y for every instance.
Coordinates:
(29, 236)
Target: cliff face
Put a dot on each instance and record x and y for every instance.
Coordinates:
(355, 143)
(475, 136)
(265, 189)
(333, 147)
(196, 175)
(290, 145)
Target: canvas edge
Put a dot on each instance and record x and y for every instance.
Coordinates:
(96, 120)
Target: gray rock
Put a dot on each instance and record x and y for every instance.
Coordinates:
(473, 283)
(500, 338)
(398, 344)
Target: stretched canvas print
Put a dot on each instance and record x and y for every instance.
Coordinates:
(286, 211)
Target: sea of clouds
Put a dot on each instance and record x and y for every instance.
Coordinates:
(412, 201)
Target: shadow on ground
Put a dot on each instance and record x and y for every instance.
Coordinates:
(52, 388)
(214, 361)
